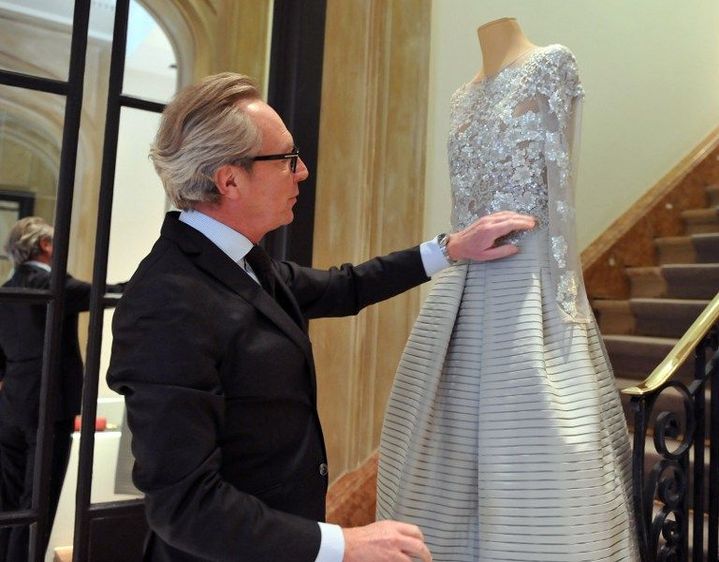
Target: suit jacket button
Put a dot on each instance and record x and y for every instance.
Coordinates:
(323, 469)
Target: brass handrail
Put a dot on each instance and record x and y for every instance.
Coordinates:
(680, 353)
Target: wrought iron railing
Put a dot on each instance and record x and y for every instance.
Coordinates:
(676, 488)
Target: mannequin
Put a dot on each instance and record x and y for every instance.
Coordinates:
(504, 438)
(502, 42)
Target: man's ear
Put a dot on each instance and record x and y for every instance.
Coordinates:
(228, 179)
(45, 245)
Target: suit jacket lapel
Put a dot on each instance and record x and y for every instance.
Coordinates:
(217, 264)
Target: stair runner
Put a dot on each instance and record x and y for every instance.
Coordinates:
(665, 300)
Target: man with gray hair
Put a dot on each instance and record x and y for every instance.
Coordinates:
(22, 337)
(212, 353)
(29, 238)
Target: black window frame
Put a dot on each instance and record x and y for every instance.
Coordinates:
(72, 89)
(294, 90)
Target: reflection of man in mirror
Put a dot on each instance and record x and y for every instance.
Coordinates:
(212, 353)
(22, 336)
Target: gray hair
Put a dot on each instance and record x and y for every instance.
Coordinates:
(23, 242)
(202, 129)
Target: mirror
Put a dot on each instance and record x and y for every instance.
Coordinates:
(36, 37)
(14, 205)
(29, 158)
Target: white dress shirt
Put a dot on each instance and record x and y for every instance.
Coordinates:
(41, 265)
(236, 246)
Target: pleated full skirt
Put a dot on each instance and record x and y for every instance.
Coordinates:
(504, 437)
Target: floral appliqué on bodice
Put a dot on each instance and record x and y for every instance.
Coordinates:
(510, 148)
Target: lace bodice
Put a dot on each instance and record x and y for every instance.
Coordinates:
(510, 148)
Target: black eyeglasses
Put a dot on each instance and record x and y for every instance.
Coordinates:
(292, 156)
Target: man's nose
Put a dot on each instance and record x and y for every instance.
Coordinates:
(302, 172)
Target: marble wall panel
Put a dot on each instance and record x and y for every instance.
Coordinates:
(369, 202)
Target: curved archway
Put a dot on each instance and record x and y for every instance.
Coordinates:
(36, 133)
(199, 32)
(184, 25)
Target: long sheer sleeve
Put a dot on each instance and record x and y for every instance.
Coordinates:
(560, 103)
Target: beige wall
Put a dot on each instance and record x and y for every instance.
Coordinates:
(650, 69)
(369, 202)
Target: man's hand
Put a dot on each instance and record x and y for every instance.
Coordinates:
(385, 541)
(477, 241)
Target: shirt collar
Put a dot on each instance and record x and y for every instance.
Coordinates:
(39, 264)
(231, 242)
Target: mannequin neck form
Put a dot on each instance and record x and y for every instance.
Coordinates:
(502, 42)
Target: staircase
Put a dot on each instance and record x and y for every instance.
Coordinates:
(665, 299)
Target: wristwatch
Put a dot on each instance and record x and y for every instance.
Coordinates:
(442, 240)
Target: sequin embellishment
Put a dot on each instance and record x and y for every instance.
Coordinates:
(508, 150)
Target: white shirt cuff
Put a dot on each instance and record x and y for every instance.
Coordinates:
(332, 544)
(432, 257)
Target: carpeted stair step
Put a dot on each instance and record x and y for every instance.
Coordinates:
(698, 221)
(691, 281)
(668, 318)
(713, 192)
(675, 249)
(706, 247)
(647, 281)
(679, 281)
(637, 356)
(614, 316)
(696, 248)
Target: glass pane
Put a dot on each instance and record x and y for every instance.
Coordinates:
(9, 214)
(22, 339)
(35, 37)
(138, 210)
(150, 63)
(139, 202)
(30, 141)
(110, 481)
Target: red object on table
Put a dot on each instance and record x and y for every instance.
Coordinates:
(100, 423)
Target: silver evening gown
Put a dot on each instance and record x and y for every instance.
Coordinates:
(504, 437)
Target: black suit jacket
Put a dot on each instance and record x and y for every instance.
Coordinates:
(219, 383)
(22, 335)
